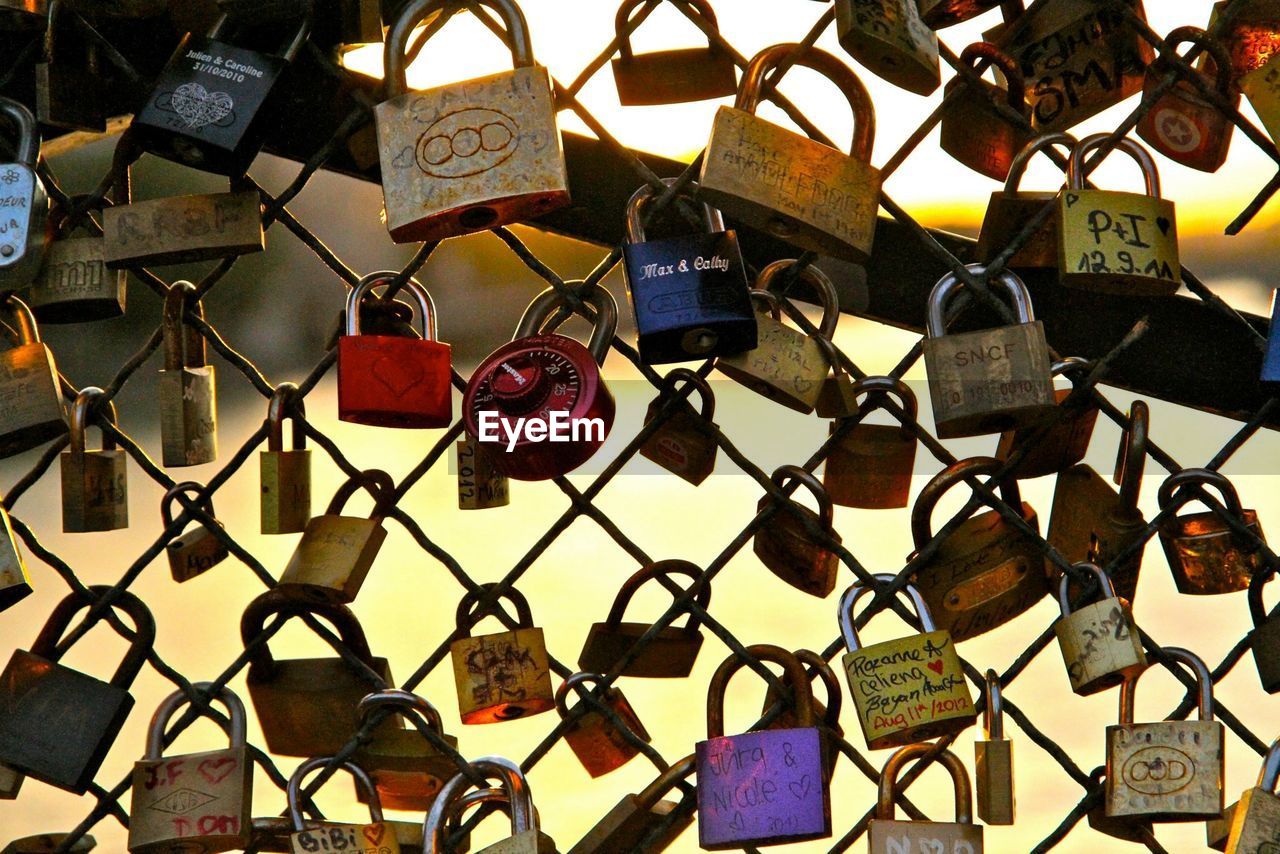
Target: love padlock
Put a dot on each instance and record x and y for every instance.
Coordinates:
(685, 441)
(1182, 124)
(787, 548)
(500, 676)
(187, 388)
(671, 76)
(285, 476)
(374, 837)
(975, 130)
(526, 836)
(95, 484)
(197, 551)
(598, 743)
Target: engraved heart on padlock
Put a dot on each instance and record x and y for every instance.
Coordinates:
(396, 375)
(374, 833)
(217, 770)
(198, 106)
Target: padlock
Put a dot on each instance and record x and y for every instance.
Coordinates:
(199, 550)
(940, 14)
(871, 465)
(544, 385)
(887, 835)
(211, 105)
(1250, 33)
(836, 397)
(71, 77)
(671, 76)
(47, 843)
(308, 706)
(1128, 828)
(791, 187)
(10, 783)
(1255, 820)
(27, 230)
(597, 742)
(390, 380)
(643, 822)
(376, 837)
(457, 839)
(1112, 242)
(285, 476)
(31, 410)
(787, 548)
(1083, 58)
(336, 552)
(668, 654)
(95, 484)
(526, 835)
(1204, 554)
(828, 713)
(765, 787)
(1181, 124)
(195, 801)
(1216, 830)
(480, 484)
(501, 676)
(1266, 635)
(899, 702)
(472, 155)
(975, 131)
(685, 442)
(1169, 770)
(1010, 209)
(408, 769)
(74, 284)
(888, 38)
(989, 380)
(1091, 522)
(187, 389)
(273, 834)
(993, 758)
(986, 572)
(688, 292)
(15, 585)
(1262, 87)
(787, 366)
(57, 724)
(1100, 643)
(1062, 443)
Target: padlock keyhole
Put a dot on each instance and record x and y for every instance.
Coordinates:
(480, 216)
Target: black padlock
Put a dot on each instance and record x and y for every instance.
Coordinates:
(689, 292)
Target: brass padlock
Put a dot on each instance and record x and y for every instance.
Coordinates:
(526, 835)
(986, 572)
(670, 653)
(787, 548)
(887, 835)
(1010, 208)
(74, 284)
(407, 768)
(888, 38)
(1182, 124)
(480, 484)
(285, 476)
(335, 552)
(1100, 643)
(500, 676)
(472, 155)
(787, 366)
(1255, 820)
(1117, 243)
(1250, 30)
(95, 484)
(643, 822)
(198, 550)
(828, 713)
(990, 380)
(1204, 554)
(187, 389)
(837, 397)
(195, 801)
(685, 442)
(975, 130)
(273, 834)
(871, 465)
(1168, 770)
(671, 76)
(993, 758)
(1266, 635)
(940, 14)
(598, 743)
(376, 836)
(763, 175)
(1062, 443)
(15, 585)
(1262, 88)
(31, 410)
(898, 701)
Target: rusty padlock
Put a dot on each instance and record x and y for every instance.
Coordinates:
(285, 476)
(187, 389)
(685, 442)
(975, 131)
(407, 768)
(1010, 208)
(74, 284)
(95, 484)
(1100, 643)
(375, 836)
(871, 465)
(888, 38)
(198, 550)
(887, 835)
(598, 743)
(1205, 555)
(31, 410)
(504, 675)
(1053, 447)
(671, 76)
(993, 758)
(1250, 31)
(1182, 124)
(787, 548)
(636, 818)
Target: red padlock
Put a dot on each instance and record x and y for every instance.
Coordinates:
(539, 403)
(1182, 124)
(392, 380)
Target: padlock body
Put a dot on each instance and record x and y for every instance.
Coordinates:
(628, 824)
(940, 14)
(375, 838)
(31, 410)
(1165, 771)
(598, 744)
(684, 444)
(194, 553)
(188, 416)
(790, 186)
(993, 780)
(836, 398)
(15, 583)
(285, 478)
(1006, 217)
(787, 719)
(1255, 823)
(503, 676)
(24, 225)
(976, 133)
(1266, 653)
(470, 156)
(75, 286)
(95, 491)
(196, 801)
(891, 837)
(1262, 87)
(480, 484)
(870, 467)
(1118, 243)
(786, 366)
(1063, 444)
(1216, 830)
(787, 550)
(690, 297)
(407, 770)
(889, 39)
(71, 90)
(762, 788)
(1205, 557)
(674, 76)
(1251, 35)
(392, 381)
(1185, 127)
(528, 842)
(1100, 646)
(333, 557)
(307, 706)
(909, 689)
(670, 654)
(1088, 523)
(183, 229)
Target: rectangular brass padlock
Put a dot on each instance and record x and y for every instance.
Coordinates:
(95, 494)
(1254, 824)
(74, 285)
(31, 410)
(187, 388)
(501, 676)
(480, 484)
(887, 835)
(336, 552)
(1100, 643)
(15, 583)
(889, 38)
(285, 476)
(374, 838)
(182, 229)
(197, 550)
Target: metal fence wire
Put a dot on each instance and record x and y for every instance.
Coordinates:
(108, 796)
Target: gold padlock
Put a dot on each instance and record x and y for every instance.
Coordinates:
(15, 585)
(887, 835)
(74, 284)
(1255, 821)
(1117, 243)
(888, 38)
(31, 410)
(785, 546)
(1100, 643)
(198, 550)
(905, 690)
(501, 676)
(975, 130)
(1009, 210)
(598, 743)
(480, 484)
(836, 398)
(828, 713)
(685, 442)
(376, 836)
(407, 768)
(1204, 554)
(526, 835)
(792, 187)
(472, 155)
(187, 389)
(285, 476)
(993, 758)
(1061, 444)
(95, 484)
(871, 465)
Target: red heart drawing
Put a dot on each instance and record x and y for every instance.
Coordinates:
(936, 666)
(398, 375)
(217, 770)
(374, 833)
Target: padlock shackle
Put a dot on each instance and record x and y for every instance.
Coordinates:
(1131, 459)
(830, 681)
(290, 52)
(184, 346)
(279, 601)
(418, 11)
(1204, 702)
(826, 509)
(951, 284)
(993, 711)
(26, 146)
(1270, 773)
(171, 495)
(1019, 165)
(792, 671)
(677, 376)
(893, 769)
(286, 402)
(712, 219)
(650, 572)
(512, 784)
(864, 116)
(402, 701)
(957, 472)
(1131, 147)
(620, 20)
(237, 733)
(28, 332)
(87, 402)
(466, 619)
(537, 318)
(562, 693)
(1218, 54)
(1106, 589)
(849, 601)
(144, 630)
(363, 782)
(376, 481)
(770, 299)
(1016, 93)
(666, 781)
(821, 285)
(1169, 498)
(364, 290)
(889, 385)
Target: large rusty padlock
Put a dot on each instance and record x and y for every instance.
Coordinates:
(1050, 448)
(187, 389)
(407, 768)
(95, 484)
(285, 476)
(598, 743)
(526, 836)
(685, 442)
(887, 835)
(74, 284)
(1100, 643)
(975, 131)
(1205, 555)
(198, 550)
(1182, 124)
(785, 546)
(871, 465)
(375, 837)
(671, 76)
(1011, 207)
(634, 818)
(504, 675)
(888, 38)
(31, 410)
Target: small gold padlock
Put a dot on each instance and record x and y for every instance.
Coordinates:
(187, 389)
(1254, 822)
(95, 484)
(993, 758)
(480, 484)
(1100, 643)
(685, 442)
(976, 131)
(376, 837)
(787, 548)
(407, 768)
(598, 743)
(887, 835)
(198, 550)
(501, 676)
(1060, 445)
(888, 38)
(31, 410)
(285, 476)
(1011, 208)
(1204, 554)
(526, 836)
(871, 465)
